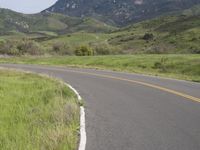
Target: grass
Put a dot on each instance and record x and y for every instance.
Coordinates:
(173, 33)
(79, 38)
(178, 66)
(36, 113)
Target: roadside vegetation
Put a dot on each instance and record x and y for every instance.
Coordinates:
(185, 67)
(54, 34)
(36, 113)
(57, 39)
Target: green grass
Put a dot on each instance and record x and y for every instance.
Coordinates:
(36, 113)
(174, 33)
(79, 38)
(185, 67)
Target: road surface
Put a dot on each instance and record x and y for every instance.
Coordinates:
(133, 112)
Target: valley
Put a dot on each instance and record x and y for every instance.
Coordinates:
(56, 34)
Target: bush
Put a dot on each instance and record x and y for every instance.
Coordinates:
(15, 47)
(148, 36)
(8, 47)
(84, 51)
(102, 49)
(195, 51)
(62, 49)
(29, 47)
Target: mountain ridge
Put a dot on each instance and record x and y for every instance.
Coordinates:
(119, 12)
(171, 33)
(11, 20)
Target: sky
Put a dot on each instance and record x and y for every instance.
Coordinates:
(26, 6)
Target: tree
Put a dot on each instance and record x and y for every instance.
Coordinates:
(148, 36)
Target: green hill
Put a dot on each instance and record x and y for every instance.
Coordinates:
(13, 21)
(175, 33)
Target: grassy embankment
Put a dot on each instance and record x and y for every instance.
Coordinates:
(36, 113)
(185, 67)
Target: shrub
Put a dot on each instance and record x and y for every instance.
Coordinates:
(29, 47)
(3, 47)
(148, 36)
(8, 47)
(84, 51)
(195, 51)
(62, 48)
(102, 49)
(16, 47)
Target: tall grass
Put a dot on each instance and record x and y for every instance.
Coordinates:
(178, 66)
(37, 113)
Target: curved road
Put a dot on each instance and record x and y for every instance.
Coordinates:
(133, 112)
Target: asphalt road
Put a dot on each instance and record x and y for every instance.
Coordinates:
(134, 112)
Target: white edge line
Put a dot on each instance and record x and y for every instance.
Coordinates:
(83, 138)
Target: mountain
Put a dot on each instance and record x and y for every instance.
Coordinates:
(172, 33)
(13, 21)
(175, 33)
(120, 12)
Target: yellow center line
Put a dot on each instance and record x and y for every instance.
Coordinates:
(189, 97)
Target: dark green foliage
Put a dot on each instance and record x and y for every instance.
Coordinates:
(148, 36)
(195, 51)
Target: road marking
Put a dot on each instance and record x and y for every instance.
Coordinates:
(189, 97)
(83, 137)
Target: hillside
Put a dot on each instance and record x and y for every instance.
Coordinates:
(178, 33)
(120, 12)
(53, 33)
(51, 22)
(175, 33)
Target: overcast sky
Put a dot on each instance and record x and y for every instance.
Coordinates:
(26, 6)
